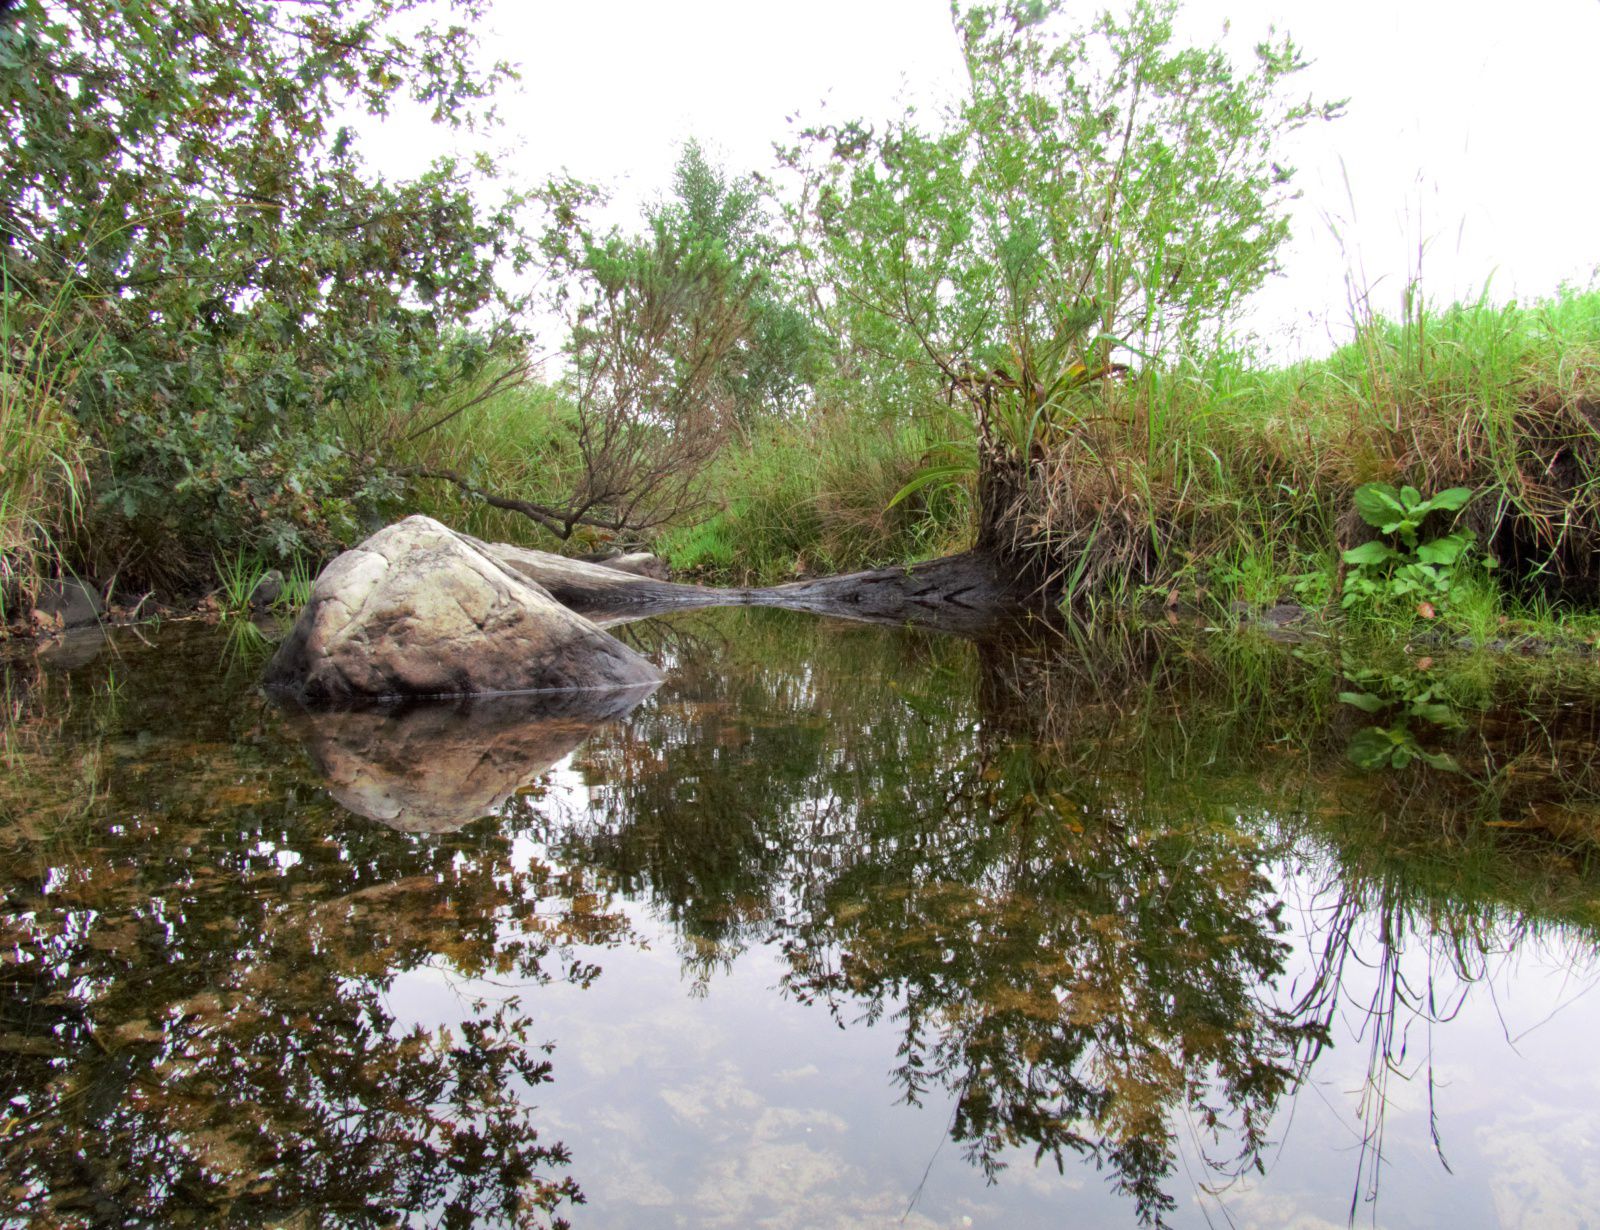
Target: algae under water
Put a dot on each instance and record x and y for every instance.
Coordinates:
(843, 926)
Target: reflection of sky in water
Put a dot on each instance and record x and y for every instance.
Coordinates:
(1039, 861)
(725, 1104)
(1503, 1073)
(741, 1108)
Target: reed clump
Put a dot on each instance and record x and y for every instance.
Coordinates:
(43, 457)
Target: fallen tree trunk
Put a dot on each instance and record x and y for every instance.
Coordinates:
(960, 593)
(595, 589)
(965, 593)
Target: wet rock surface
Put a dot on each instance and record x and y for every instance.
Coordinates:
(67, 604)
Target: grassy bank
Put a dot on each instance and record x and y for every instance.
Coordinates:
(1219, 478)
(1241, 480)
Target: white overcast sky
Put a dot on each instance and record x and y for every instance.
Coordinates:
(1471, 128)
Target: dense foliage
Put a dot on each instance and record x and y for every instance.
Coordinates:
(187, 221)
(224, 334)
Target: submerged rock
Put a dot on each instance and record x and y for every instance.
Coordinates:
(420, 611)
(434, 766)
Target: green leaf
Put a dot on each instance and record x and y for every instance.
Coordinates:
(1453, 499)
(1437, 713)
(1439, 760)
(1370, 747)
(929, 477)
(1370, 553)
(1444, 550)
(1378, 503)
(1365, 701)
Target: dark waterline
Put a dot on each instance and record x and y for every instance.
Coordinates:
(842, 926)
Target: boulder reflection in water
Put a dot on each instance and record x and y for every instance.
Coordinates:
(432, 767)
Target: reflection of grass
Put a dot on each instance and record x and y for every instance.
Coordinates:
(1050, 856)
(1167, 723)
(245, 649)
(53, 780)
(1045, 858)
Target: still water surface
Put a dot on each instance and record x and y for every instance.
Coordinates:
(842, 926)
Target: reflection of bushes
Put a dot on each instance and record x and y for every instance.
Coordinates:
(1042, 861)
(1072, 963)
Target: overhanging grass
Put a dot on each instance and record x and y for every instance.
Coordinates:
(43, 470)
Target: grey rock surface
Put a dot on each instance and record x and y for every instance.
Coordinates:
(640, 564)
(267, 591)
(70, 603)
(420, 611)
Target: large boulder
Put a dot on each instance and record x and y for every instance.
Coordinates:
(67, 604)
(418, 610)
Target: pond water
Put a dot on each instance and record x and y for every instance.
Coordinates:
(842, 926)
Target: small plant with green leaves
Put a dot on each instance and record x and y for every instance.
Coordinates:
(1404, 697)
(1415, 572)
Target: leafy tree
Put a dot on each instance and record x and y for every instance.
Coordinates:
(774, 362)
(183, 178)
(1099, 185)
(677, 336)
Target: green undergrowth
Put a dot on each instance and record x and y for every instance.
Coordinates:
(817, 496)
(1223, 476)
(43, 456)
(1206, 483)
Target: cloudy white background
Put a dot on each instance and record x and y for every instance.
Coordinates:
(1467, 156)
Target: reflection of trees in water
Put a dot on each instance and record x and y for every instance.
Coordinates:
(1072, 956)
(1043, 867)
(196, 1029)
